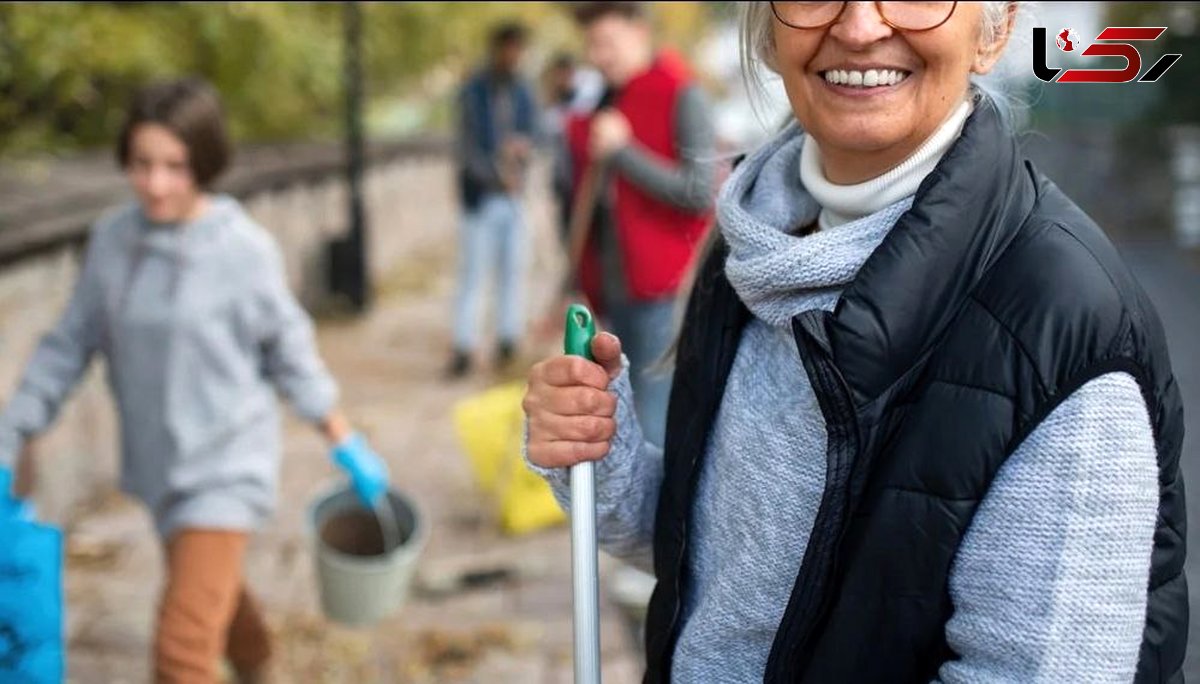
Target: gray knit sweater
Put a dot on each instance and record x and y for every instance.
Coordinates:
(1050, 582)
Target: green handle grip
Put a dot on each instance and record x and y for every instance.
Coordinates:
(580, 329)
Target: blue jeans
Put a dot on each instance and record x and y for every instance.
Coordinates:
(646, 330)
(491, 247)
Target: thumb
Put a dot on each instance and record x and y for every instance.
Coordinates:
(606, 350)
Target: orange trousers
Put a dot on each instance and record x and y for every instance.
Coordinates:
(206, 611)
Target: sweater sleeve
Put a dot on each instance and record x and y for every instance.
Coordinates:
(1050, 583)
(288, 344)
(688, 185)
(628, 481)
(61, 357)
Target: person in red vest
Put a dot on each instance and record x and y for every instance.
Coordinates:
(648, 150)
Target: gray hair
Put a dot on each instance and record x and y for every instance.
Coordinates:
(757, 47)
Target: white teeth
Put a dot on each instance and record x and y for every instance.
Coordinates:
(865, 79)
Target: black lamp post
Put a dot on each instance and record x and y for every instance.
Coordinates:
(351, 275)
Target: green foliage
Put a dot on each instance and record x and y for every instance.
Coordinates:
(68, 69)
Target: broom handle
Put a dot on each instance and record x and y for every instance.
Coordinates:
(580, 224)
(580, 329)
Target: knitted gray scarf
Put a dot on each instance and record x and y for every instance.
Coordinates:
(761, 208)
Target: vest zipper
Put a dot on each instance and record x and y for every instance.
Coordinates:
(810, 599)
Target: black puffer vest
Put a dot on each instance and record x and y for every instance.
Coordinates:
(989, 303)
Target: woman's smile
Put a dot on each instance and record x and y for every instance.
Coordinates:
(858, 81)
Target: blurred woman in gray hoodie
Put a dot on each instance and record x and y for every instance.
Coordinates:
(185, 297)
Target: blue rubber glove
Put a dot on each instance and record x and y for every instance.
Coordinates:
(368, 473)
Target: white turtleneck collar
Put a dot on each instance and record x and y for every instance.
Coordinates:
(845, 203)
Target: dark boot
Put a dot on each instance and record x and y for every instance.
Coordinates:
(506, 353)
(460, 365)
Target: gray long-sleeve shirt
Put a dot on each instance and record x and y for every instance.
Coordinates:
(689, 183)
(198, 328)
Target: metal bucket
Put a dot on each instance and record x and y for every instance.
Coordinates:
(360, 580)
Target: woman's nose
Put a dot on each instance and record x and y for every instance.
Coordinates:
(860, 25)
(158, 181)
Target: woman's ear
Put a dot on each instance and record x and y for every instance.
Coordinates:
(988, 54)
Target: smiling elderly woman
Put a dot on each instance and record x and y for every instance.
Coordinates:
(923, 423)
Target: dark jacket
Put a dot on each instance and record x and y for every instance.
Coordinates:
(925, 392)
(481, 131)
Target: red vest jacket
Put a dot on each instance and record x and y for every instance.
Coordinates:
(657, 240)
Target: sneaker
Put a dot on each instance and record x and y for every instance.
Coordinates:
(506, 352)
(460, 365)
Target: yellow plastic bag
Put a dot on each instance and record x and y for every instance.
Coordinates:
(490, 429)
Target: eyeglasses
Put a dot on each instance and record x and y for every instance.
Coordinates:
(904, 16)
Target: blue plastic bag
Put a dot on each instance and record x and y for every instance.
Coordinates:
(31, 601)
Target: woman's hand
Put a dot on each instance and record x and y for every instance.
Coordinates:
(336, 428)
(570, 412)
